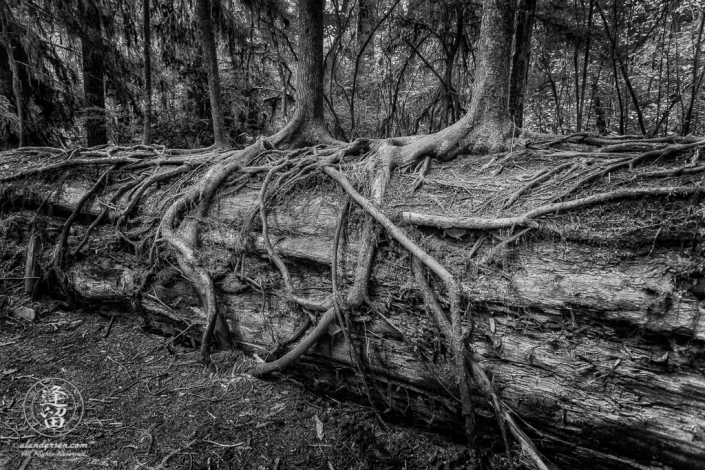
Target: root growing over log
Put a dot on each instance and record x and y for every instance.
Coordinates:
(362, 172)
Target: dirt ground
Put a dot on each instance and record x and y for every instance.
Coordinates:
(151, 405)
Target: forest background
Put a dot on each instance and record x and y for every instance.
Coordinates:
(93, 71)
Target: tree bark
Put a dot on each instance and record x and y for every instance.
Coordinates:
(307, 126)
(210, 54)
(94, 80)
(697, 77)
(146, 23)
(365, 25)
(16, 86)
(521, 59)
(581, 102)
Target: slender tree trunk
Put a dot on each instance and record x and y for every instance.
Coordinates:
(696, 80)
(309, 77)
(632, 94)
(576, 80)
(208, 44)
(661, 47)
(558, 121)
(94, 80)
(677, 68)
(613, 57)
(365, 27)
(147, 137)
(601, 123)
(581, 102)
(521, 59)
(373, 95)
(16, 87)
(451, 106)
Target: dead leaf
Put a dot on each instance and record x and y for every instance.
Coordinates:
(334, 330)
(319, 428)
(259, 359)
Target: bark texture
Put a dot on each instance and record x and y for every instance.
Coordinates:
(94, 83)
(526, 11)
(16, 86)
(210, 55)
(365, 27)
(307, 125)
(146, 24)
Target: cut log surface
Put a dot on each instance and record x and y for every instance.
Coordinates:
(591, 334)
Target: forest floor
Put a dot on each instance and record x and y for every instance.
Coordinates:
(150, 405)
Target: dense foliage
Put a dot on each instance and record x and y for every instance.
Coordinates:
(393, 67)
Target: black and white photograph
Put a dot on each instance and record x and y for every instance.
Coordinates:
(352, 234)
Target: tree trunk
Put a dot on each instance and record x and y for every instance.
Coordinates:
(210, 55)
(697, 77)
(521, 59)
(146, 19)
(16, 86)
(581, 102)
(600, 121)
(487, 126)
(307, 125)
(365, 25)
(309, 78)
(451, 105)
(94, 81)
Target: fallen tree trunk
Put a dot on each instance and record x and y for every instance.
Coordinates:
(587, 316)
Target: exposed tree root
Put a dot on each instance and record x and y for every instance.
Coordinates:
(421, 178)
(202, 193)
(356, 296)
(68, 164)
(55, 270)
(143, 187)
(696, 170)
(344, 323)
(452, 288)
(536, 181)
(104, 212)
(498, 248)
(627, 141)
(179, 227)
(262, 370)
(276, 259)
(293, 338)
(483, 223)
